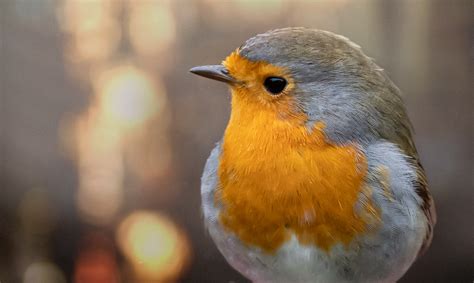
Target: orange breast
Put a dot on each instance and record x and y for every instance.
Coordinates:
(278, 179)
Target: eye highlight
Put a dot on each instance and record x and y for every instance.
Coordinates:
(275, 85)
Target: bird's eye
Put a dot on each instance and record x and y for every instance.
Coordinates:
(275, 85)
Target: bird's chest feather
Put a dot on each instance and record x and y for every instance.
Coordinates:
(278, 179)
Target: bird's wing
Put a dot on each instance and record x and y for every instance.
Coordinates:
(428, 205)
(405, 142)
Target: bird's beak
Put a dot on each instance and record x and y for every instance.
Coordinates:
(215, 72)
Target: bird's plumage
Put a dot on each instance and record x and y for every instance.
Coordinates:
(340, 113)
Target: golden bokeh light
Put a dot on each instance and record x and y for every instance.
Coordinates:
(123, 133)
(126, 100)
(75, 13)
(100, 164)
(95, 43)
(154, 246)
(127, 96)
(151, 27)
(93, 32)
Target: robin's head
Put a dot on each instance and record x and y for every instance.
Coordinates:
(314, 74)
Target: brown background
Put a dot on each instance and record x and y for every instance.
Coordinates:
(424, 46)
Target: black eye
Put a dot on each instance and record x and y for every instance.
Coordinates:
(275, 85)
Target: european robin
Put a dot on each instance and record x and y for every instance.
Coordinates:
(317, 178)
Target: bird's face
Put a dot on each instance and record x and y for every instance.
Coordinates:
(260, 82)
(315, 76)
(256, 86)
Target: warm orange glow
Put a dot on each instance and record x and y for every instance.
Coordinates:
(127, 96)
(151, 26)
(96, 266)
(154, 246)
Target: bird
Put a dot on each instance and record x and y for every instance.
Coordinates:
(317, 177)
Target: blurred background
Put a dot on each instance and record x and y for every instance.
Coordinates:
(104, 133)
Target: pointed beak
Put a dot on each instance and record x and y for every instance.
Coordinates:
(215, 72)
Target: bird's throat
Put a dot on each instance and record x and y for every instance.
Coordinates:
(277, 178)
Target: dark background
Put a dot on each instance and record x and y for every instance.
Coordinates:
(51, 57)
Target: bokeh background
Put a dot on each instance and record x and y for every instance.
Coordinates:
(104, 133)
